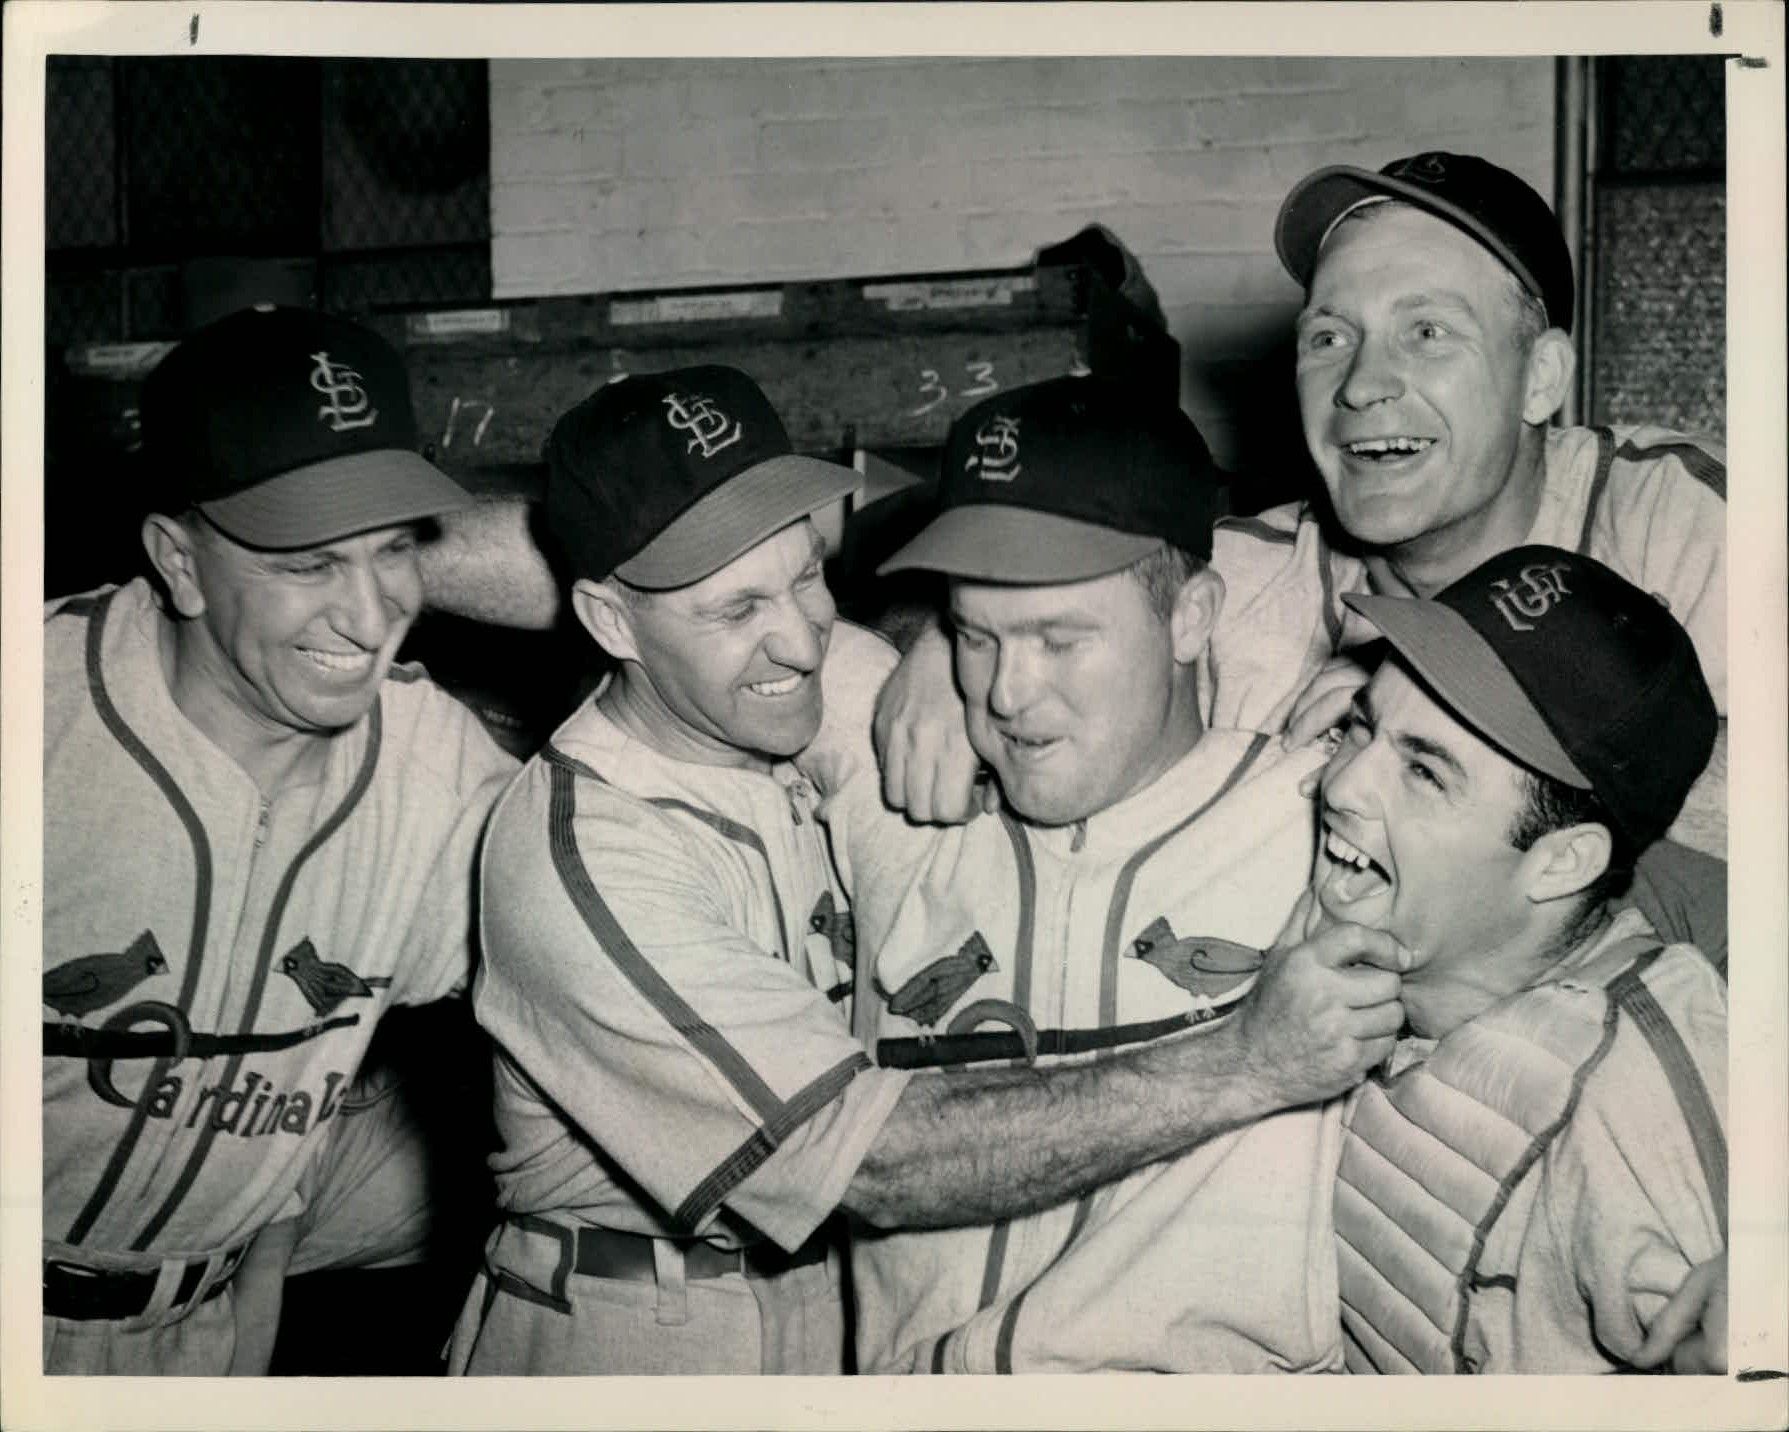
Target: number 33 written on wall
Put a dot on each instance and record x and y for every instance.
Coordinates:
(932, 388)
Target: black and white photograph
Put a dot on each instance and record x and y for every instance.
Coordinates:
(836, 694)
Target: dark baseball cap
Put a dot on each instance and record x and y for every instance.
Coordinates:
(1485, 202)
(288, 428)
(1063, 481)
(1572, 671)
(663, 478)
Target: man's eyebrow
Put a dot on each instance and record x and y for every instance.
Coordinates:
(1435, 298)
(1415, 745)
(1031, 626)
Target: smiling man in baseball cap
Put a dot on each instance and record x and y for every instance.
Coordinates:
(1552, 1131)
(258, 835)
(1433, 352)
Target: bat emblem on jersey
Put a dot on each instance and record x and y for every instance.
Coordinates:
(91, 982)
(1201, 965)
(324, 983)
(928, 994)
(1000, 1011)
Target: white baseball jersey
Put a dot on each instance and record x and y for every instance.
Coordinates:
(1647, 503)
(215, 962)
(667, 973)
(1081, 938)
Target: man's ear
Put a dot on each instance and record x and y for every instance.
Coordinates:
(1566, 862)
(1551, 363)
(609, 620)
(1195, 614)
(171, 548)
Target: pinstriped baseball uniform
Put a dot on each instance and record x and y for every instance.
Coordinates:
(667, 975)
(1648, 503)
(215, 963)
(1217, 1261)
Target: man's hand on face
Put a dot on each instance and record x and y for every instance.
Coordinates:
(1690, 1333)
(1325, 1008)
(1324, 703)
(928, 766)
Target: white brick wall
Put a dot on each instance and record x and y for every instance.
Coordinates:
(621, 174)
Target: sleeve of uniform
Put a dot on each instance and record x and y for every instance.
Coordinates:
(1625, 1209)
(707, 1068)
(457, 772)
(1281, 618)
(1668, 522)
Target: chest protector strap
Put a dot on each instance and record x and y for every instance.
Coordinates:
(1434, 1155)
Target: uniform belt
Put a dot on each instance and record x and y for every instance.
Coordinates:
(609, 1253)
(112, 1294)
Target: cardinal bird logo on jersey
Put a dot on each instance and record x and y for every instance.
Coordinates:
(92, 982)
(322, 982)
(1201, 965)
(932, 991)
(838, 927)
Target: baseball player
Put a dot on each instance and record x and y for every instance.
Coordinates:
(669, 968)
(1140, 865)
(1432, 351)
(259, 834)
(1544, 1162)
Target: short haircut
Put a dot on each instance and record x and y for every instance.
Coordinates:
(1549, 805)
(1162, 574)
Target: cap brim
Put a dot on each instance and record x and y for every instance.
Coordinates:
(327, 501)
(735, 517)
(1320, 199)
(1465, 671)
(992, 542)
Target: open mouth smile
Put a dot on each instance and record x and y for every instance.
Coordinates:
(1354, 875)
(783, 686)
(339, 663)
(1386, 450)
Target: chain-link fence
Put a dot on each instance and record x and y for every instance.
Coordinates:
(1658, 339)
(368, 180)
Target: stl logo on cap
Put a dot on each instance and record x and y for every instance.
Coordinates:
(348, 406)
(998, 457)
(710, 428)
(1539, 588)
(1424, 168)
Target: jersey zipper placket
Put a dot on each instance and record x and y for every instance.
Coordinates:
(262, 966)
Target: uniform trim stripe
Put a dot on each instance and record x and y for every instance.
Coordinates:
(1674, 1058)
(739, 835)
(996, 1259)
(1127, 877)
(743, 1161)
(1024, 953)
(1326, 572)
(120, 731)
(1605, 457)
(614, 942)
(251, 1009)
(1511, 1180)
(1009, 1322)
(1701, 464)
